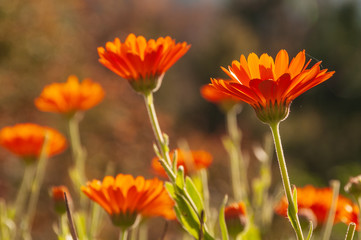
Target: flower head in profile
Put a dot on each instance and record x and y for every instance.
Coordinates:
(191, 161)
(125, 198)
(270, 86)
(70, 97)
(26, 140)
(214, 95)
(315, 203)
(58, 196)
(141, 62)
(236, 218)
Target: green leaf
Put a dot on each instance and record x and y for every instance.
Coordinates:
(187, 216)
(194, 195)
(170, 188)
(179, 180)
(222, 221)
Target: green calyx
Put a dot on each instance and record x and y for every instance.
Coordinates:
(273, 112)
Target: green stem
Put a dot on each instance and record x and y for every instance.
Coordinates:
(335, 185)
(77, 148)
(358, 200)
(162, 145)
(35, 188)
(143, 231)
(123, 234)
(286, 181)
(238, 166)
(350, 231)
(24, 189)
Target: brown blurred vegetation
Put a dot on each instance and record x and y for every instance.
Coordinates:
(45, 41)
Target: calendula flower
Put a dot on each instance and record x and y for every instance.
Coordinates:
(125, 198)
(141, 62)
(270, 86)
(236, 218)
(57, 194)
(26, 140)
(70, 97)
(191, 161)
(214, 95)
(315, 203)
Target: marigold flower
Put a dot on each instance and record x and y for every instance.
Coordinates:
(191, 161)
(270, 86)
(125, 197)
(69, 97)
(236, 218)
(26, 140)
(214, 95)
(57, 194)
(141, 62)
(315, 203)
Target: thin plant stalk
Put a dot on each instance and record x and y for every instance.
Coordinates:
(23, 192)
(77, 148)
(35, 188)
(162, 145)
(286, 181)
(358, 201)
(237, 164)
(335, 185)
(143, 231)
(350, 231)
(123, 235)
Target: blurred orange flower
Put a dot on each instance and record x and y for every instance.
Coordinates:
(236, 218)
(191, 161)
(314, 204)
(142, 62)
(70, 97)
(125, 197)
(57, 193)
(270, 86)
(222, 99)
(26, 140)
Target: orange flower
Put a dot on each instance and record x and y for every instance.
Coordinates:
(70, 97)
(141, 62)
(314, 203)
(191, 161)
(214, 95)
(125, 197)
(26, 140)
(57, 193)
(270, 86)
(235, 216)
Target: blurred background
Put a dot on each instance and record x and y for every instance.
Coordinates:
(42, 42)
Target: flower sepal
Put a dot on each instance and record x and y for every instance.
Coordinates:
(147, 85)
(125, 220)
(273, 113)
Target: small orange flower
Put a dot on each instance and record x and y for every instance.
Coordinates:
(214, 95)
(236, 218)
(315, 203)
(26, 140)
(69, 97)
(57, 193)
(191, 161)
(270, 86)
(125, 197)
(141, 62)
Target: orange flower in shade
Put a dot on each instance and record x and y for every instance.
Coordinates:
(141, 62)
(57, 193)
(26, 140)
(314, 204)
(125, 197)
(270, 86)
(236, 218)
(70, 97)
(191, 161)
